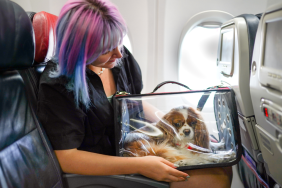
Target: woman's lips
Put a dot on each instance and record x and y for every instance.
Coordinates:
(113, 60)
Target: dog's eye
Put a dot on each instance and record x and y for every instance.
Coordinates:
(193, 123)
(177, 124)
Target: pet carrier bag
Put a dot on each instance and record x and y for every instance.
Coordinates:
(192, 129)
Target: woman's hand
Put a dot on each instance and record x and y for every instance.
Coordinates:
(160, 169)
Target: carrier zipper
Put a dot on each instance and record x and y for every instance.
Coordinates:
(122, 93)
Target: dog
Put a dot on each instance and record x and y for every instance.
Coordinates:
(180, 137)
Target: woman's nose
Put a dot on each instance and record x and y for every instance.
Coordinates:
(117, 53)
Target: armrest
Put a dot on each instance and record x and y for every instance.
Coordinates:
(116, 181)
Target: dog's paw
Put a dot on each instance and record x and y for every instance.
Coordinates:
(181, 163)
(187, 162)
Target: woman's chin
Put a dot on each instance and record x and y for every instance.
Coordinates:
(110, 65)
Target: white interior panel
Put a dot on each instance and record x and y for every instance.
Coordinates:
(155, 28)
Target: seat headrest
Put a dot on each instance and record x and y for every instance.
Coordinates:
(44, 28)
(16, 37)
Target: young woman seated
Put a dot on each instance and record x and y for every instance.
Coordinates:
(74, 105)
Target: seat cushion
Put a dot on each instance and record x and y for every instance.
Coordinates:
(26, 158)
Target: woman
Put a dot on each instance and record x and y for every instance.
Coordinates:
(74, 107)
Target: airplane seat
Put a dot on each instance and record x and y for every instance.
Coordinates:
(235, 52)
(26, 158)
(44, 25)
(44, 30)
(266, 89)
(234, 59)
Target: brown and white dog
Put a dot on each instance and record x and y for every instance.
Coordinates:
(172, 138)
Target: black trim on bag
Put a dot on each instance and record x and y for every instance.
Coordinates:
(117, 127)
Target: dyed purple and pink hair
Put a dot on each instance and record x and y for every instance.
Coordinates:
(85, 30)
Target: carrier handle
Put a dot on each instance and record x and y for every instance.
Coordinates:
(169, 82)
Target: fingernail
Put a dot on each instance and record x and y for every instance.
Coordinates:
(176, 165)
(187, 177)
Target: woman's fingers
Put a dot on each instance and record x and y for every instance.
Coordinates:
(175, 172)
(168, 163)
(178, 173)
(161, 169)
(171, 178)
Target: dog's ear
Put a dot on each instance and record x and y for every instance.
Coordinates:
(201, 133)
(165, 126)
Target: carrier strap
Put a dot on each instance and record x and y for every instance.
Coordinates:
(169, 82)
(203, 100)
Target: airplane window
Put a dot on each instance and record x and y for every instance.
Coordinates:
(127, 43)
(198, 55)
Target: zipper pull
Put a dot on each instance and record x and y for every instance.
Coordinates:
(122, 93)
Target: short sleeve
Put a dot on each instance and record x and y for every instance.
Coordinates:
(60, 118)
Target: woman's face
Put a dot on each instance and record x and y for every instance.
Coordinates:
(107, 60)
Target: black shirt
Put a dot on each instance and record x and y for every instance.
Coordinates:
(92, 130)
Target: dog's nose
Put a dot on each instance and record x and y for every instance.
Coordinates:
(186, 132)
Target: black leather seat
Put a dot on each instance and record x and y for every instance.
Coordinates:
(26, 157)
(44, 29)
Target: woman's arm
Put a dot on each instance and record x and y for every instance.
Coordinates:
(87, 163)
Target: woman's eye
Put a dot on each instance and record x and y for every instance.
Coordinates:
(106, 53)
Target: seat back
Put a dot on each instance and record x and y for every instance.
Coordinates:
(26, 157)
(44, 25)
(234, 59)
(234, 65)
(266, 89)
(44, 30)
